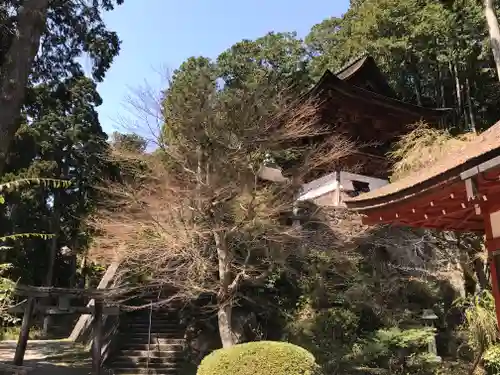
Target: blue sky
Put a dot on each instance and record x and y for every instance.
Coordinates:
(160, 34)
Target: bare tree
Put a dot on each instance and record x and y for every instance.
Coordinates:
(197, 219)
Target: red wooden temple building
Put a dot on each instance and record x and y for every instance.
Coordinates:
(358, 102)
(458, 193)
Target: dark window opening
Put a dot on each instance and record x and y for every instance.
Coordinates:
(359, 187)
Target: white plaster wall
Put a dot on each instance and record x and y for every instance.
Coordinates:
(346, 179)
(320, 190)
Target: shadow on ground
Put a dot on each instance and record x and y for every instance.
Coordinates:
(48, 357)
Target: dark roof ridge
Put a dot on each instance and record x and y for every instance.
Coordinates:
(352, 61)
(351, 90)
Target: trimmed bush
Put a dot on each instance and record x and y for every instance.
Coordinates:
(260, 358)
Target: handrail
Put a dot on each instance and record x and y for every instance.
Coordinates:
(106, 347)
(149, 331)
(149, 335)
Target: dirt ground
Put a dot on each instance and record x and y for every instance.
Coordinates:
(50, 357)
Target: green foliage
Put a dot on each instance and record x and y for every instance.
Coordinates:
(63, 140)
(129, 142)
(16, 184)
(491, 360)
(425, 49)
(6, 284)
(328, 334)
(481, 323)
(12, 333)
(272, 65)
(277, 60)
(6, 296)
(260, 358)
(401, 351)
(73, 28)
(187, 102)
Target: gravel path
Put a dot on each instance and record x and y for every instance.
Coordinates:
(49, 357)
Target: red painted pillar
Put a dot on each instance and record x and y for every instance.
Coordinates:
(493, 245)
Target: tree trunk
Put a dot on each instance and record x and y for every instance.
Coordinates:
(491, 19)
(477, 360)
(418, 88)
(224, 315)
(56, 218)
(49, 277)
(16, 69)
(481, 274)
(460, 96)
(458, 91)
(224, 297)
(82, 282)
(441, 78)
(74, 263)
(470, 105)
(474, 247)
(479, 266)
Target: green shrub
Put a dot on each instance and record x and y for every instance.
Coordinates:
(260, 358)
(327, 334)
(491, 360)
(401, 351)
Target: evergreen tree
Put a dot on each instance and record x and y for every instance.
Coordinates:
(42, 41)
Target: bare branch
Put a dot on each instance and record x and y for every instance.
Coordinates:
(196, 218)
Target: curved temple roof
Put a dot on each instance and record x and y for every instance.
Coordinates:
(331, 82)
(364, 72)
(351, 82)
(480, 150)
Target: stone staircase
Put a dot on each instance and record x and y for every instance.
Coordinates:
(139, 350)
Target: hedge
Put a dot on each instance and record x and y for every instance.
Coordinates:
(260, 358)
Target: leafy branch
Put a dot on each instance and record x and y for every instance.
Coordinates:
(17, 184)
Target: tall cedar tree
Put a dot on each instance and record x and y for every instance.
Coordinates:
(42, 40)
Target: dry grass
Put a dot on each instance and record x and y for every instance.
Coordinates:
(422, 147)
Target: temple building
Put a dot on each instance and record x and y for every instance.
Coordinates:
(358, 102)
(460, 193)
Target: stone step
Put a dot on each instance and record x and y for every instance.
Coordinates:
(153, 333)
(167, 341)
(144, 305)
(153, 340)
(145, 323)
(173, 320)
(159, 347)
(155, 313)
(150, 371)
(152, 353)
(145, 320)
(127, 363)
(158, 334)
(147, 327)
(162, 315)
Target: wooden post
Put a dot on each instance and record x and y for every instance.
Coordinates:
(24, 333)
(492, 245)
(83, 321)
(97, 340)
